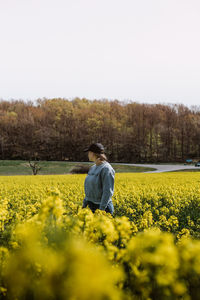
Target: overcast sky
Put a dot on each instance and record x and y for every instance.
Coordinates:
(139, 50)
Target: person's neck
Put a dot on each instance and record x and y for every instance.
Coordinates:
(98, 162)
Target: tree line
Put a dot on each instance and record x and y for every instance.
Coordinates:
(59, 129)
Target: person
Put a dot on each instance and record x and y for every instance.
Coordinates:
(99, 183)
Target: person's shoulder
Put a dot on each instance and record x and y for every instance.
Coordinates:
(107, 167)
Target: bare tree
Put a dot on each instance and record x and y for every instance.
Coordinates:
(34, 166)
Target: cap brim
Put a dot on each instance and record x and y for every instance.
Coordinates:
(85, 150)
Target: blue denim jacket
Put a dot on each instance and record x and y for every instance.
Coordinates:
(99, 185)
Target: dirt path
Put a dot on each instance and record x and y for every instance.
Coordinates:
(163, 168)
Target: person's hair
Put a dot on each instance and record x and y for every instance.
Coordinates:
(101, 156)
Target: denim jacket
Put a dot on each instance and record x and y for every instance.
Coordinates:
(99, 185)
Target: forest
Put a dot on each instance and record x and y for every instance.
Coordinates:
(59, 129)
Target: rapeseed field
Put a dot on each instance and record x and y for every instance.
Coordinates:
(51, 248)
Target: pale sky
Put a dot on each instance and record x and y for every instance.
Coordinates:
(146, 51)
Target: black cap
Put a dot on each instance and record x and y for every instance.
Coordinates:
(96, 148)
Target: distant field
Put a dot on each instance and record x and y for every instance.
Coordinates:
(18, 167)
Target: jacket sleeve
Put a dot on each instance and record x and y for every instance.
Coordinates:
(107, 178)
